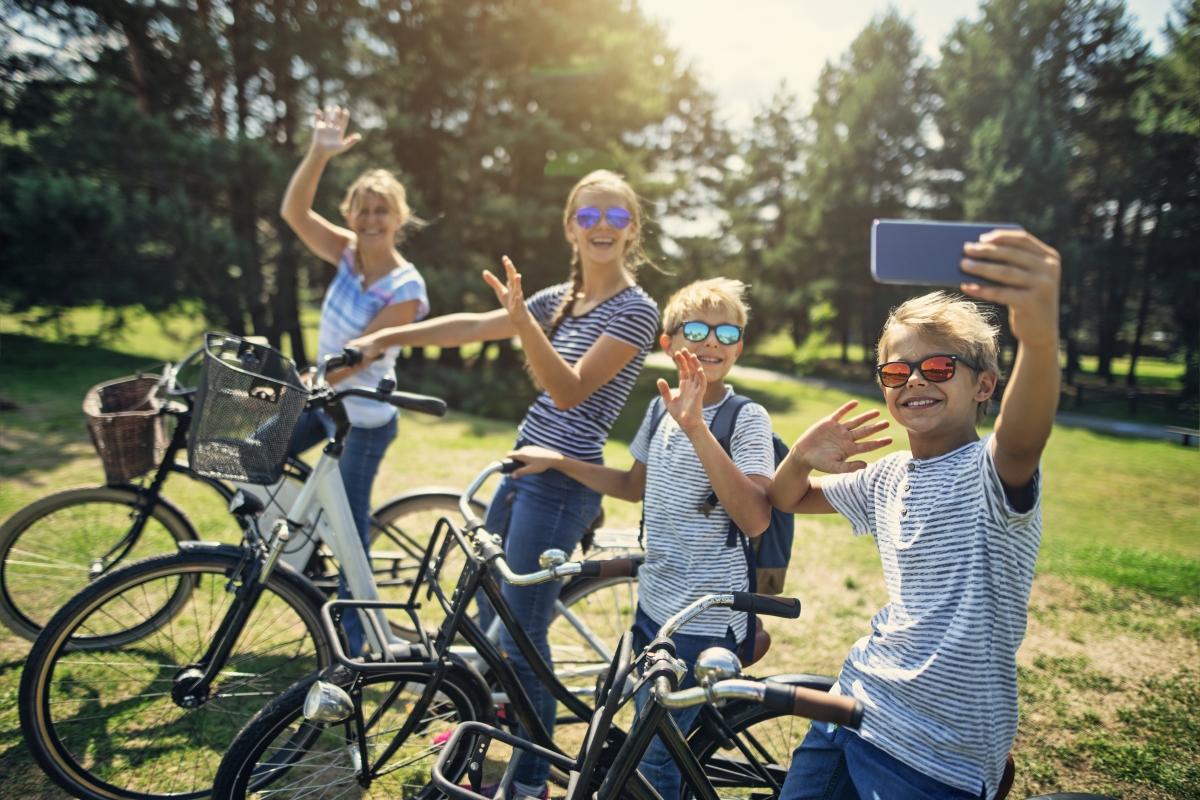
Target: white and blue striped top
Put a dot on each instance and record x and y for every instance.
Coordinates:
(938, 674)
(629, 316)
(686, 556)
(346, 313)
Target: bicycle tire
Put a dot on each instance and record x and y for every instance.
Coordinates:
(101, 722)
(47, 548)
(770, 735)
(282, 755)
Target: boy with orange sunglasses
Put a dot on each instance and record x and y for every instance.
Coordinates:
(957, 521)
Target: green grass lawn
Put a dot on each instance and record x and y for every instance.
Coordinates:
(1108, 702)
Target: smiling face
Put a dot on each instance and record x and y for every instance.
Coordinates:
(715, 358)
(373, 221)
(937, 413)
(603, 243)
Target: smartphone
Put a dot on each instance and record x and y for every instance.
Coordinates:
(924, 251)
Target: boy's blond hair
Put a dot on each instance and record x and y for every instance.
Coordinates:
(954, 322)
(714, 294)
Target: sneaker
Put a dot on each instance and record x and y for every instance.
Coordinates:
(443, 737)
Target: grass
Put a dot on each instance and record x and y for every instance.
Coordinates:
(1107, 705)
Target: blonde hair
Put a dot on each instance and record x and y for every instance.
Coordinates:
(952, 321)
(714, 294)
(633, 256)
(384, 184)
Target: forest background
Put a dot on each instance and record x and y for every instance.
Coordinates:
(143, 157)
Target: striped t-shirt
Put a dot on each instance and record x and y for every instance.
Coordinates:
(629, 316)
(346, 313)
(686, 556)
(938, 674)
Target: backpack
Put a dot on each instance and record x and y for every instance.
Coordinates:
(768, 554)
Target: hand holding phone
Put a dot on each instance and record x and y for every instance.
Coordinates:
(925, 252)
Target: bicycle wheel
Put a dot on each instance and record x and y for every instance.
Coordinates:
(281, 755)
(103, 722)
(769, 737)
(48, 548)
(585, 631)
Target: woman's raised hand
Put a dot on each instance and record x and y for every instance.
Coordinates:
(329, 131)
(686, 404)
(828, 444)
(510, 294)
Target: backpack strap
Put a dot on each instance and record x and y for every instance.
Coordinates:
(722, 427)
(658, 410)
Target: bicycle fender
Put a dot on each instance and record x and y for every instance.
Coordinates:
(482, 690)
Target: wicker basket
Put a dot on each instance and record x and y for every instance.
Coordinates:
(127, 429)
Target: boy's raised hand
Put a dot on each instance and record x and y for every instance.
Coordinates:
(1028, 272)
(828, 444)
(686, 404)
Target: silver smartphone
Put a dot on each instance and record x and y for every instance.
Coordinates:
(923, 251)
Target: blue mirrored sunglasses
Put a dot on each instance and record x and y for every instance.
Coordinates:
(589, 216)
(698, 331)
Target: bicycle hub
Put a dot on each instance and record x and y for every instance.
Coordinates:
(187, 691)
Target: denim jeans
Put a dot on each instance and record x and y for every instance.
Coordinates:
(547, 510)
(834, 763)
(359, 464)
(657, 765)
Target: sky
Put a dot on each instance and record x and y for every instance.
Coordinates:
(742, 49)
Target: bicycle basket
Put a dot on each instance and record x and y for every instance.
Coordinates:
(126, 427)
(248, 402)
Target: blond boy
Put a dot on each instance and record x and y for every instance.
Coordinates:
(677, 465)
(957, 521)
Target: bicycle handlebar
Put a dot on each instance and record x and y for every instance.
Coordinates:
(766, 605)
(797, 701)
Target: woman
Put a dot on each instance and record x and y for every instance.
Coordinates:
(585, 341)
(374, 289)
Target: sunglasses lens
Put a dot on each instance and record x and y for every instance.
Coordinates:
(894, 374)
(728, 334)
(617, 217)
(587, 217)
(938, 368)
(695, 331)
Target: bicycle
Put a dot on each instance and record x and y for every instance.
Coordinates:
(155, 645)
(54, 547)
(280, 741)
(171, 653)
(607, 774)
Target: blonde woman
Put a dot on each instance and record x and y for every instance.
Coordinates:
(585, 341)
(374, 288)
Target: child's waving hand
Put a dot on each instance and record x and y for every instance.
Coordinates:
(828, 445)
(510, 294)
(686, 404)
(329, 131)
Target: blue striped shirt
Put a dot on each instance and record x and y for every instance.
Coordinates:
(346, 313)
(938, 674)
(629, 316)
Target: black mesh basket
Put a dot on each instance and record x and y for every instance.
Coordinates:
(248, 402)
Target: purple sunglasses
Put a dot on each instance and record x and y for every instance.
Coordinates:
(588, 217)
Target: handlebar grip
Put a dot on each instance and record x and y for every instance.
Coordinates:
(801, 702)
(609, 568)
(351, 357)
(766, 605)
(435, 406)
(510, 465)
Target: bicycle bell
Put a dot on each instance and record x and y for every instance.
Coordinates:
(327, 703)
(552, 558)
(716, 664)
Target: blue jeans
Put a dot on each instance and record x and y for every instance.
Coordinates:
(547, 510)
(657, 765)
(359, 464)
(834, 763)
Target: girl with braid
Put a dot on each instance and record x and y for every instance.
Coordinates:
(585, 341)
